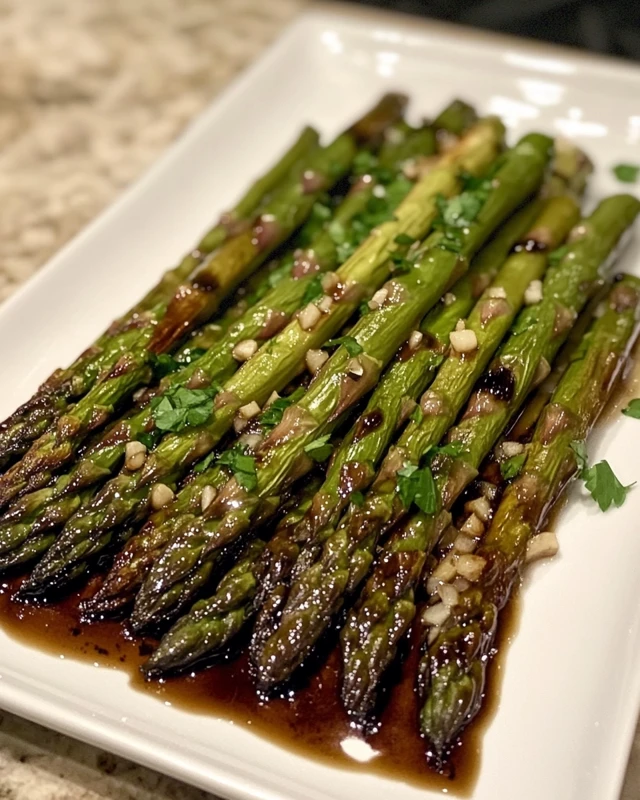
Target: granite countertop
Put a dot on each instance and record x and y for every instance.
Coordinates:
(90, 94)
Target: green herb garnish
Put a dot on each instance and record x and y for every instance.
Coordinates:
(633, 409)
(512, 467)
(241, 465)
(180, 408)
(320, 449)
(626, 173)
(351, 345)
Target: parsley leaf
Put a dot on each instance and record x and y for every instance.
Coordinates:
(272, 415)
(148, 440)
(416, 415)
(353, 347)
(204, 465)
(189, 356)
(364, 163)
(319, 449)
(313, 291)
(633, 409)
(417, 486)
(163, 364)
(512, 467)
(242, 466)
(453, 449)
(580, 452)
(363, 309)
(604, 486)
(404, 239)
(357, 498)
(556, 256)
(180, 408)
(626, 173)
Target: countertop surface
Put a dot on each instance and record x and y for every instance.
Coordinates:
(90, 94)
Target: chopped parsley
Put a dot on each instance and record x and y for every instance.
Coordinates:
(163, 364)
(320, 449)
(180, 408)
(353, 347)
(313, 291)
(633, 409)
(626, 173)
(404, 240)
(417, 484)
(206, 462)
(512, 467)
(272, 415)
(600, 480)
(241, 465)
(416, 415)
(556, 256)
(357, 498)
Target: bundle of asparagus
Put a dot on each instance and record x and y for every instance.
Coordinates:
(279, 444)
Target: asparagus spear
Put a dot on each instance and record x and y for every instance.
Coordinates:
(191, 305)
(452, 669)
(318, 250)
(353, 465)
(51, 399)
(212, 623)
(341, 562)
(539, 332)
(126, 497)
(346, 377)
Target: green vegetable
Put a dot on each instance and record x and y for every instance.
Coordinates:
(180, 408)
(319, 449)
(352, 347)
(633, 409)
(512, 467)
(627, 173)
(241, 465)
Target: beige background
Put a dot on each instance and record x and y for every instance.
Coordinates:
(91, 92)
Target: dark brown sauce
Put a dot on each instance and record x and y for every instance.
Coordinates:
(312, 723)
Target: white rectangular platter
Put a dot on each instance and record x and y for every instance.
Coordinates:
(571, 692)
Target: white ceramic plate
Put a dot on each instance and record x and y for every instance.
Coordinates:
(572, 688)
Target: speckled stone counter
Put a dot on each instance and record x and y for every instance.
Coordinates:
(91, 92)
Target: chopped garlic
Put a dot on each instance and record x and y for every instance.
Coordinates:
(325, 304)
(473, 526)
(463, 341)
(415, 339)
(464, 544)
(544, 545)
(497, 291)
(208, 496)
(309, 316)
(480, 507)
(470, 567)
(533, 293)
(436, 615)
(461, 325)
(511, 449)
(315, 359)
(250, 410)
(161, 496)
(378, 299)
(135, 454)
(354, 367)
(449, 298)
(245, 349)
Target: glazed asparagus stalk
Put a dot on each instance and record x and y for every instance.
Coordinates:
(538, 334)
(29, 421)
(128, 496)
(28, 528)
(342, 559)
(212, 623)
(353, 465)
(453, 667)
(345, 378)
(191, 305)
(39, 513)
